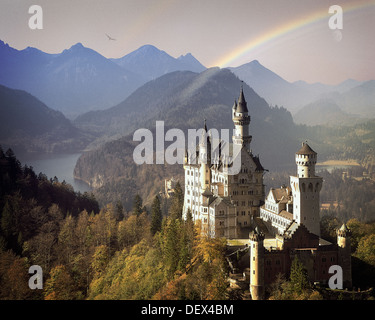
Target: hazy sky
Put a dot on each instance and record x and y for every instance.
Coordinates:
(290, 37)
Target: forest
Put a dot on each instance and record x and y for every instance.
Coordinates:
(148, 252)
(91, 253)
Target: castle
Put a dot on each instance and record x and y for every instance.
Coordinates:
(225, 203)
(279, 227)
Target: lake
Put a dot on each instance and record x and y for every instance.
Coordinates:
(330, 165)
(59, 165)
(330, 168)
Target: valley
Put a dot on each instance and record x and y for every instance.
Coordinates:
(181, 92)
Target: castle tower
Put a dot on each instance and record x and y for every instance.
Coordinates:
(256, 265)
(205, 159)
(306, 189)
(241, 120)
(344, 254)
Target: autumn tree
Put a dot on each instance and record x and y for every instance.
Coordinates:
(59, 285)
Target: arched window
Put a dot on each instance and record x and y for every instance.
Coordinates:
(317, 187)
(310, 188)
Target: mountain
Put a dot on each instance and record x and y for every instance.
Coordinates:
(273, 88)
(349, 106)
(151, 63)
(79, 79)
(323, 112)
(277, 91)
(75, 81)
(359, 100)
(28, 125)
(181, 99)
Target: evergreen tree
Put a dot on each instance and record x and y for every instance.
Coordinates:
(119, 211)
(298, 277)
(177, 202)
(137, 205)
(156, 216)
(171, 247)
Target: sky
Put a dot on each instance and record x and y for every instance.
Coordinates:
(290, 37)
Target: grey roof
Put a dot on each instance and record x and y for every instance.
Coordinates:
(305, 150)
(242, 104)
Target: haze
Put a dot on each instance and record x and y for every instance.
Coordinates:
(211, 30)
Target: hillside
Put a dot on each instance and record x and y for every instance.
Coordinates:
(182, 100)
(323, 111)
(27, 124)
(294, 96)
(273, 88)
(115, 176)
(352, 105)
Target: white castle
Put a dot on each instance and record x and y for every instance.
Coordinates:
(227, 205)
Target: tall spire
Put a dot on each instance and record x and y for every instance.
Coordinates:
(242, 104)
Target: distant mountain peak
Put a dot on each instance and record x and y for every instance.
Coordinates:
(78, 45)
(149, 49)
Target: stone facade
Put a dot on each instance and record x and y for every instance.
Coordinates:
(224, 203)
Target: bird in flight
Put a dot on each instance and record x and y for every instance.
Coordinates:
(109, 38)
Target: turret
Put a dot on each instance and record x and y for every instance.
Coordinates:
(306, 188)
(256, 264)
(344, 254)
(241, 120)
(205, 159)
(306, 160)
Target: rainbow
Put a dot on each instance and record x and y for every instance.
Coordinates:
(285, 29)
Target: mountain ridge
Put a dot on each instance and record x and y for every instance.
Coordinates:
(291, 95)
(28, 125)
(78, 79)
